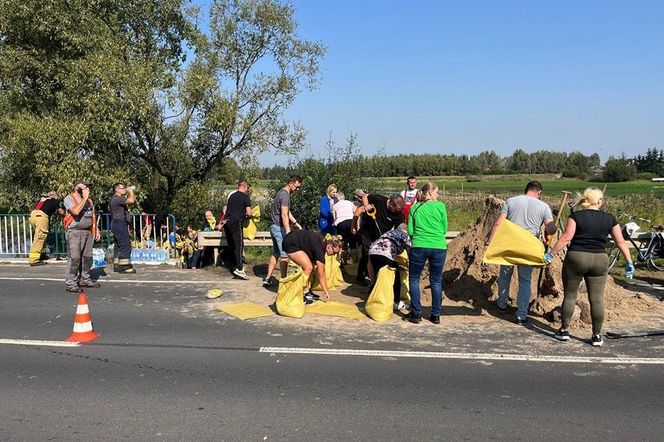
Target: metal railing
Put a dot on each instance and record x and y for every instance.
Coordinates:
(16, 234)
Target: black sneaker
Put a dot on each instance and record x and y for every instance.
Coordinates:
(435, 319)
(312, 295)
(413, 317)
(502, 310)
(73, 289)
(37, 263)
(562, 335)
(268, 281)
(308, 300)
(596, 341)
(523, 321)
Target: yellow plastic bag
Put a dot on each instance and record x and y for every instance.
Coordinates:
(513, 245)
(402, 261)
(290, 300)
(249, 227)
(405, 285)
(333, 274)
(379, 304)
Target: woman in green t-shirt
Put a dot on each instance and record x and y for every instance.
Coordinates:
(427, 225)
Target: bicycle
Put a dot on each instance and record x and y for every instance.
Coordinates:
(649, 246)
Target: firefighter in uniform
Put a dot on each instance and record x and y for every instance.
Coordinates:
(122, 218)
(81, 232)
(39, 218)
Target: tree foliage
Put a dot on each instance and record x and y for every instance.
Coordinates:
(100, 90)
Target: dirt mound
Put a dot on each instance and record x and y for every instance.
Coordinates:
(467, 280)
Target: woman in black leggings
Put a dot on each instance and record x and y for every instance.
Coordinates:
(587, 232)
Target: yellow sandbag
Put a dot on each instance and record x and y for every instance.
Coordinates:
(249, 227)
(405, 285)
(332, 308)
(512, 245)
(246, 310)
(290, 300)
(333, 274)
(381, 299)
(402, 261)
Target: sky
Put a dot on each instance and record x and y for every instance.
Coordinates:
(461, 77)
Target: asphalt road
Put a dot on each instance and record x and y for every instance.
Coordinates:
(166, 368)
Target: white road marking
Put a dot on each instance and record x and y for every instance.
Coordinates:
(126, 281)
(39, 343)
(462, 355)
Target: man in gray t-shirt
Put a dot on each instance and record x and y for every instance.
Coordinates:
(529, 212)
(282, 219)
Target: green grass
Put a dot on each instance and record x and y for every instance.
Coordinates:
(509, 185)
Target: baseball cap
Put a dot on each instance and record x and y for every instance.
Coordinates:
(86, 183)
(360, 192)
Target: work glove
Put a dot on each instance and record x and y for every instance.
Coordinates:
(548, 257)
(629, 270)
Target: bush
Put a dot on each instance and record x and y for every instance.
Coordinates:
(192, 201)
(619, 170)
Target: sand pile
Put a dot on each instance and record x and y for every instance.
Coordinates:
(467, 280)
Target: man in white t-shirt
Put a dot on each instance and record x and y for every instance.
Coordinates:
(409, 196)
(529, 212)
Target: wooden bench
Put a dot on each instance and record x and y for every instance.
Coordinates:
(217, 239)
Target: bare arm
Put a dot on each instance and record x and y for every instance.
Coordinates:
(76, 209)
(320, 267)
(502, 217)
(566, 237)
(616, 234)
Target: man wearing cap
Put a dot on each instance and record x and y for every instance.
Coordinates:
(39, 219)
(81, 232)
(121, 219)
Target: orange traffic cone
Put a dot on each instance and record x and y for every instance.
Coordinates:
(82, 322)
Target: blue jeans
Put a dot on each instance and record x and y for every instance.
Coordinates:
(417, 258)
(523, 296)
(278, 233)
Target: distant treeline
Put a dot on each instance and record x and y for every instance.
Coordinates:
(572, 165)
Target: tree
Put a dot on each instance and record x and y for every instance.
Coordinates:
(232, 97)
(618, 170)
(73, 76)
(106, 81)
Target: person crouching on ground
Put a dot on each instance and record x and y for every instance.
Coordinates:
(427, 224)
(587, 232)
(384, 251)
(306, 249)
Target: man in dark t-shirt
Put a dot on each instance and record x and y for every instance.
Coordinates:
(379, 214)
(121, 218)
(238, 208)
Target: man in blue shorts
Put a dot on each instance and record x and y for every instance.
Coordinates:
(282, 219)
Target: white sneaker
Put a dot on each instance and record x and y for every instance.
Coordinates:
(240, 274)
(402, 307)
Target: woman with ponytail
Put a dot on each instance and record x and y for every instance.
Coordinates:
(427, 225)
(308, 249)
(587, 232)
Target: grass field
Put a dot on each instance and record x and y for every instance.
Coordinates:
(509, 185)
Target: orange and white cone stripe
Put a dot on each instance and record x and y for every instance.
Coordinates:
(83, 331)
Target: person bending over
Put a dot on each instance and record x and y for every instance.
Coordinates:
(307, 248)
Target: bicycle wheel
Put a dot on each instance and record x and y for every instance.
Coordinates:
(613, 253)
(656, 260)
